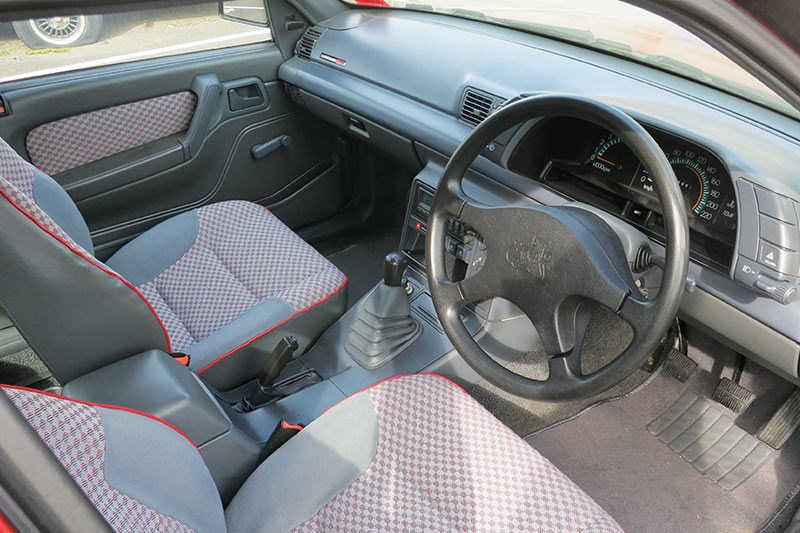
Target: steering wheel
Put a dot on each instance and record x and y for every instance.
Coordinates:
(556, 263)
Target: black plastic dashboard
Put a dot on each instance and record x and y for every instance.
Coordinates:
(402, 80)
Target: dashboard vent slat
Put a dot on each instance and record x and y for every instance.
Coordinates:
(477, 105)
(306, 43)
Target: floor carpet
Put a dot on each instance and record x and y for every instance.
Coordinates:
(609, 452)
(362, 261)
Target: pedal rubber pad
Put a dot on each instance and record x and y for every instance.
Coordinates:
(783, 423)
(678, 365)
(733, 396)
(700, 432)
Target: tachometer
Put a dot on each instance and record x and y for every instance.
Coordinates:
(611, 157)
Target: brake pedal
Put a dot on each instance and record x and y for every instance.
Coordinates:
(783, 423)
(679, 365)
(733, 396)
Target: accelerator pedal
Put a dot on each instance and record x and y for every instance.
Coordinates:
(783, 423)
(733, 396)
(703, 434)
(679, 365)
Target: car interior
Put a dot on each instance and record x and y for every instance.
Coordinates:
(404, 267)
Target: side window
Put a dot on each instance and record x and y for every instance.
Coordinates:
(36, 47)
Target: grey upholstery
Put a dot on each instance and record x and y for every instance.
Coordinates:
(140, 473)
(222, 283)
(413, 453)
(57, 204)
(331, 453)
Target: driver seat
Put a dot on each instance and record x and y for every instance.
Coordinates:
(414, 453)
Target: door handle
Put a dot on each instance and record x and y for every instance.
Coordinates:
(244, 97)
(260, 151)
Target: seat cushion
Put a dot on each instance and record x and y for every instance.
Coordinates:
(223, 275)
(414, 453)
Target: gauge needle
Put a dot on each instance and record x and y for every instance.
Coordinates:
(607, 162)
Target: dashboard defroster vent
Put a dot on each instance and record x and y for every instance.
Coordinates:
(477, 105)
(306, 43)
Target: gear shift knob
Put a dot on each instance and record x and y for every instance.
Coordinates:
(394, 267)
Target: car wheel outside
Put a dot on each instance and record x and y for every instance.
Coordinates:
(59, 32)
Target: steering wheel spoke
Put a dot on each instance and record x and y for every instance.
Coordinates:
(569, 365)
(639, 313)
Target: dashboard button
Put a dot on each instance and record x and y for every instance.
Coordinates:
(779, 259)
(748, 219)
(776, 206)
(747, 271)
(780, 233)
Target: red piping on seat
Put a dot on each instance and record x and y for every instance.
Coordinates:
(276, 326)
(5, 525)
(103, 406)
(95, 264)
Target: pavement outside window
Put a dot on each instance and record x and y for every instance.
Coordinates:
(129, 37)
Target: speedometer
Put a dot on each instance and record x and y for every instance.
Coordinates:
(701, 188)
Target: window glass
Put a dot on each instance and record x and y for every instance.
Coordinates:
(37, 47)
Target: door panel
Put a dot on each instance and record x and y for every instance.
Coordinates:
(130, 160)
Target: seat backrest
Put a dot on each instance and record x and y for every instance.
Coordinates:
(53, 288)
(142, 474)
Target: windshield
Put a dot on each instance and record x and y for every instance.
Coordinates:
(616, 27)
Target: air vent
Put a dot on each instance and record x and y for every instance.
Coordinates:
(306, 43)
(294, 94)
(477, 105)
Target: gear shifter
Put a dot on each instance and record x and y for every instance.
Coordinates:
(384, 326)
(394, 267)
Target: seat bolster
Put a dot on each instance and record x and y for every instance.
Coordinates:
(56, 203)
(332, 452)
(154, 251)
(152, 464)
(140, 472)
(253, 322)
(237, 366)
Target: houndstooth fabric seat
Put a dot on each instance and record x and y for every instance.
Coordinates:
(222, 283)
(414, 453)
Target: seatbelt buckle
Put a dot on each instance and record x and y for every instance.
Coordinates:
(280, 436)
(182, 358)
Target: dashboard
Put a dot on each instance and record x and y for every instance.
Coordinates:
(588, 164)
(376, 75)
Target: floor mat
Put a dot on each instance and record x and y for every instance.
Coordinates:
(647, 486)
(705, 435)
(24, 368)
(362, 261)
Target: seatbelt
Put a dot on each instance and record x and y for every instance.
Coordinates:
(280, 436)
